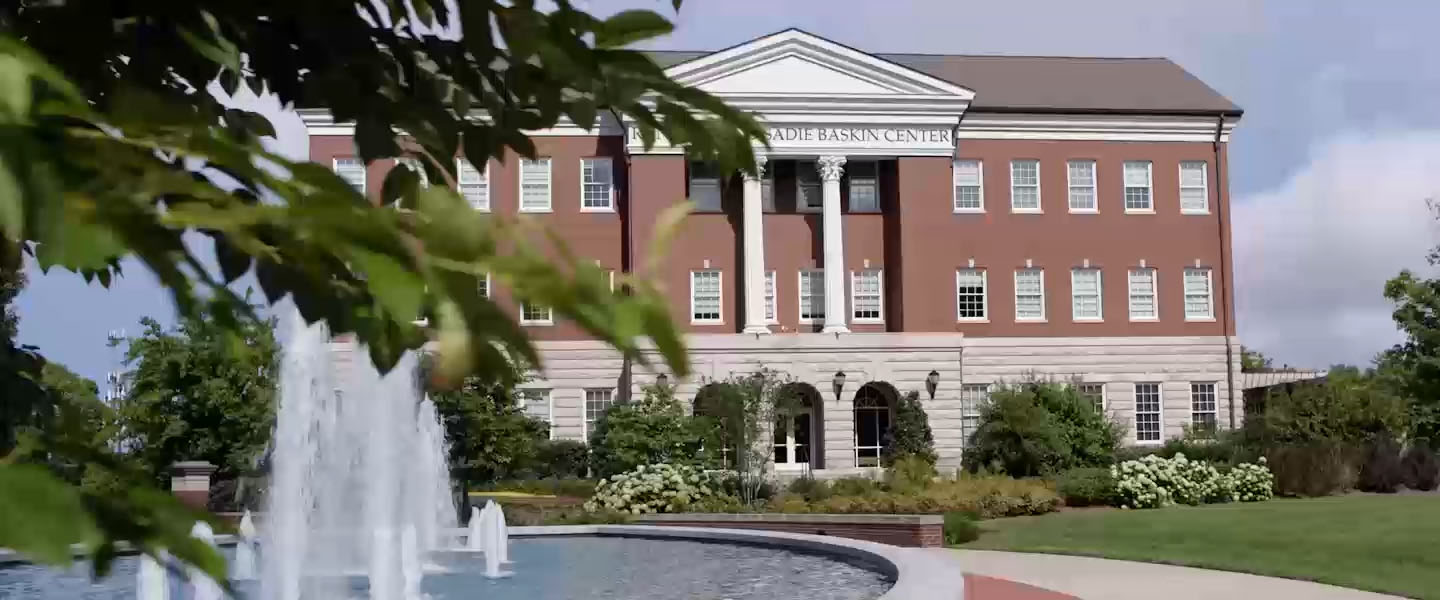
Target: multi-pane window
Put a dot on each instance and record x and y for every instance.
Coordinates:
(352, 170)
(474, 184)
(1082, 186)
(705, 186)
(1142, 295)
(807, 187)
(597, 189)
(596, 403)
(1029, 295)
(1194, 191)
(864, 186)
(535, 185)
(1095, 393)
(973, 398)
(1137, 186)
(1202, 407)
(484, 285)
(812, 295)
(970, 299)
(866, 287)
(1147, 412)
(968, 186)
(536, 403)
(1197, 294)
(1025, 185)
(769, 296)
(705, 296)
(1085, 294)
(767, 190)
(535, 314)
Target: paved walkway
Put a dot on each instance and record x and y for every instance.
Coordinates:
(1102, 579)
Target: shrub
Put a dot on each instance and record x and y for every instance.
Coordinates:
(1252, 482)
(910, 474)
(960, 527)
(909, 433)
(1154, 481)
(1088, 486)
(809, 488)
(729, 485)
(1422, 469)
(1314, 469)
(1040, 428)
(561, 459)
(601, 517)
(569, 488)
(1381, 471)
(653, 431)
(984, 497)
(1220, 448)
(853, 486)
(652, 489)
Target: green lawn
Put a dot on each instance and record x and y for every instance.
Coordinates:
(1380, 543)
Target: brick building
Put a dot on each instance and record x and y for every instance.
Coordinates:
(923, 222)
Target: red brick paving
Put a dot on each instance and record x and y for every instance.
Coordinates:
(980, 587)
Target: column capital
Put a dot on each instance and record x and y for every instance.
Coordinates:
(831, 167)
(760, 164)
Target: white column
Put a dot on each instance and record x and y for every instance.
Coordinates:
(831, 168)
(754, 241)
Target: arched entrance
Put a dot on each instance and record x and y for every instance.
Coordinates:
(874, 410)
(799, 433)
(722, 443)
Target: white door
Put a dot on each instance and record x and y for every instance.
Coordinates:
(792, 440)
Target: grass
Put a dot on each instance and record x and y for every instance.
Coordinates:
(1379, 543)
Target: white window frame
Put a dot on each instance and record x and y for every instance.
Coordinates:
(1195, 409)
(973, 398)
(1099, 295)
(549, 185)
(548, 320)
(1072, 186)
(1149, 186)
(351, 161)
(1154, 293)
(767, 190)
(549, 406)
(692, 178)
(598, 164)
(955, 184)
(1016, 281)
(1104, 402)
(772, 312)
(719, 299)
(879, 295)
(1204, 187)
(1039, 197)
(984, 296)
(812, 167)
(587, 424)
(800, 296)
(873, 182)
(1209, 294)
(482, 178)
(488, 284)
(1159, 412)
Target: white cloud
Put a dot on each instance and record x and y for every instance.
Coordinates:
(1312, 254)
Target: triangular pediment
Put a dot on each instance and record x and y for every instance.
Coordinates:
(793, 62)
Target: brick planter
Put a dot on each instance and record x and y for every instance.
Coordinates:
(916, 531)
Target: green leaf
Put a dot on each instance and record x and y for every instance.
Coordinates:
(399, 182)
(398, 289)
(40, 515)
(15, 87)
(12, 201)
(629, 26)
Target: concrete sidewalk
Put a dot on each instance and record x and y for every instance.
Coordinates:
(1102, 579)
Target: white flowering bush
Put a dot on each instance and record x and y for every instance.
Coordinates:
(1253, 482)
(1153, 482)
(652, 489)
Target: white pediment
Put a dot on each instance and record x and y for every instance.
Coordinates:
(793, 62)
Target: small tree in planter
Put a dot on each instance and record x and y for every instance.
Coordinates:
(741, 410)
(651, 431)
(909, 433)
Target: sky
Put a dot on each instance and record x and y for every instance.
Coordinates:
(1330, 169)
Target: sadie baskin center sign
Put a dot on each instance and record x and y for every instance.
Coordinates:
(857, 139)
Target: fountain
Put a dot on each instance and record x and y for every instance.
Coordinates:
(476, 532)
(151, 580)
(202, 587)
(359, 484)
(244, 567)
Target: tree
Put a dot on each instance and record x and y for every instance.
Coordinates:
(490, 436)
(1413, 365)
(1251, 360)
(909, 433)
(115, 149)
(651, 431)
(1038, 428)
(197, 394)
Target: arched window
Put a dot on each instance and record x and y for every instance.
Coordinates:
(794, 432)
(872, 422)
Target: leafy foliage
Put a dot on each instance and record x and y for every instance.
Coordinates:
(653, 430)
(202, 390)
(490, 436)
(1422, 468)
(652, 489)
(960, 527)
(1382, 472)
(560, 459)
(736, 414)
(1041, 427)
(1251, 359)
(1087, 486)
(986, 497)
(909, 433)
(910, 474)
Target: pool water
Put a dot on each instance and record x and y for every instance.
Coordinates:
(550, 568)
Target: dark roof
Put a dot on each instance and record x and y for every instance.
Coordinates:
(1055, 83)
